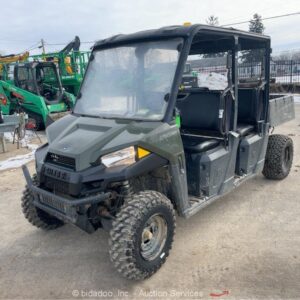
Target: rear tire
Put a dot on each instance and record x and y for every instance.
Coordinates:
(36, 216)
(38, 120)
(279, 157)
(142, 235)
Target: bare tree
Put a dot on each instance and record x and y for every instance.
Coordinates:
(287, 55)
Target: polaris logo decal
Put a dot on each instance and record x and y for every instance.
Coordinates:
(54, 157)
(56, 174)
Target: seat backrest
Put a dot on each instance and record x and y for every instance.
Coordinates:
(202, 111)
(250, 105)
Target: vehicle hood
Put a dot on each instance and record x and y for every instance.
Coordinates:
(86, 139)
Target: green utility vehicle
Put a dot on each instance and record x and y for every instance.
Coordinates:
(141, 147)
(71, 63)
(36, 89)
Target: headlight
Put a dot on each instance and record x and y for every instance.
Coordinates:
(124, 157)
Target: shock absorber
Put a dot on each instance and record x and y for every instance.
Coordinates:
(126, 190)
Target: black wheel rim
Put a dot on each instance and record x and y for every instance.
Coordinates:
(154, 236)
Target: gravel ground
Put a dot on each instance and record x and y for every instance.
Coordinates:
(246, 245)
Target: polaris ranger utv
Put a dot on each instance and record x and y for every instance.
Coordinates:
(140, 146)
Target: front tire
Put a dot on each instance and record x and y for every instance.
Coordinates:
(279, 157)
(36, 216)
(142, 235)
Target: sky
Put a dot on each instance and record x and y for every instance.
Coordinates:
(25, 23)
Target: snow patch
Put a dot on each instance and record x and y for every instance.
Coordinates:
(212, 80)
(297, 98)
(19, 160)
(287, 79)
(9, 136)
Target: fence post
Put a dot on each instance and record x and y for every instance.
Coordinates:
(291, 77)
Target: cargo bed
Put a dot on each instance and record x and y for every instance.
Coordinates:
(282, 109)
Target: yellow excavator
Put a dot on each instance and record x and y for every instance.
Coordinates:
(12, 58)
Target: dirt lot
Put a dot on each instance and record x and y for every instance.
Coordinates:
(246, 245)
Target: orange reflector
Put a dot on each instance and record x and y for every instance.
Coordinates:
(3, 100)
(142, 152)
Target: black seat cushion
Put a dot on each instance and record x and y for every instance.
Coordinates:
(200, 110)
(198, 144)
(250, 105)
(244, 129)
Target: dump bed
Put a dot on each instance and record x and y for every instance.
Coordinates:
(282, 109)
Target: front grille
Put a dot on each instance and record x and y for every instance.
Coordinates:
(48, 200)
(57, 185)
(68, 162)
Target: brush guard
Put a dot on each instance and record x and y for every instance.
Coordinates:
(62, 208)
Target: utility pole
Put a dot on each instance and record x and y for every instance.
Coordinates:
(43, 45)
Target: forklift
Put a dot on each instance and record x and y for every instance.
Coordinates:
(141, 147)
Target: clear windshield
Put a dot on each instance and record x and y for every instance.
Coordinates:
(46, 75)
(131, 81)
(48, 82)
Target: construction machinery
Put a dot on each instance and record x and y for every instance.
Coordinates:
(37, 90)
(6, 60)
(71, 63)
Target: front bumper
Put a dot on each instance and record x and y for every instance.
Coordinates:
(63, 208)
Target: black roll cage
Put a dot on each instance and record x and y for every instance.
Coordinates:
(220, 39)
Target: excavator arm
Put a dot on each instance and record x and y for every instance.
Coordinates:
(7, 59)
(12, 58)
